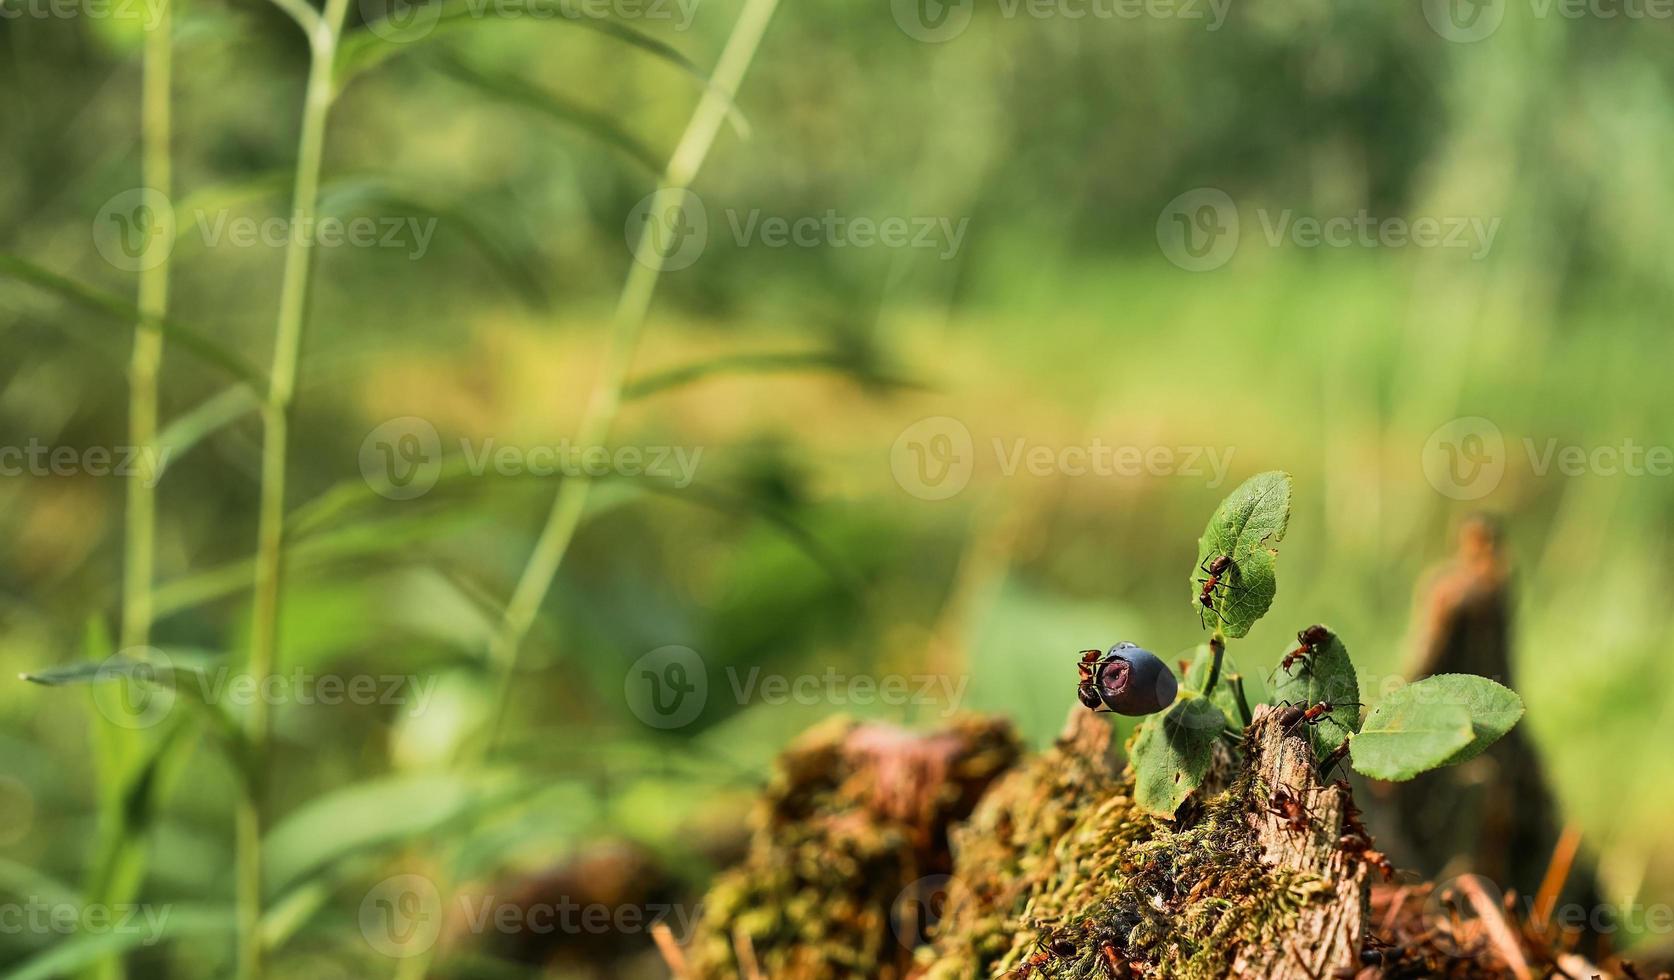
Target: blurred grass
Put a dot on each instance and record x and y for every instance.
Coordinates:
(1059, 322)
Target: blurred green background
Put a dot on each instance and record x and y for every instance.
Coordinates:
(808, 542)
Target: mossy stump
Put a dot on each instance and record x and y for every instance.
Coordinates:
(1055, 873)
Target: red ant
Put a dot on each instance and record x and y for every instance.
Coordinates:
(1294, 715)
(1356, 841)
(1362, 848)
(1215, 568)
(1289, 807)
(1309, 640)
(1047, 948)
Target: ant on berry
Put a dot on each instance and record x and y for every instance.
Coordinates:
(1216, 569)
(1309, 641)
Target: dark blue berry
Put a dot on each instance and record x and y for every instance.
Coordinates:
(1128, 680)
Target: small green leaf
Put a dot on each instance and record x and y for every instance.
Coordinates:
(1171, 753)
(1409, 733)
(1493, 708)
(1248, 521)
(1326, 675)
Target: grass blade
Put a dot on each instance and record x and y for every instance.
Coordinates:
(515, 91)
(126, 314)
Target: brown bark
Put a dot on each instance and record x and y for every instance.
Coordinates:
(1329, 932)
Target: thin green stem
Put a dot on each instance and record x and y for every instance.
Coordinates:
(156, 129)
(570, 501)
(270, 532)
(1236, 682)
(1217, 650)
(121, 865)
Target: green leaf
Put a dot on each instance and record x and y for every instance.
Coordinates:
(126, 314)
(1248, 521)
(1172, 751)
(360, 816)
(842, 362)
(1493, 708)
(210, 416)
(1326, 675)
(1403, 737)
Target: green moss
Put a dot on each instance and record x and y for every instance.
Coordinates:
(1063, 869)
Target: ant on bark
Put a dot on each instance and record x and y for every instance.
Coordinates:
(1216, 569)
(1290, 808)
(1357, 841)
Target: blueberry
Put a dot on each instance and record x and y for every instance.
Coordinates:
(1127, 680)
